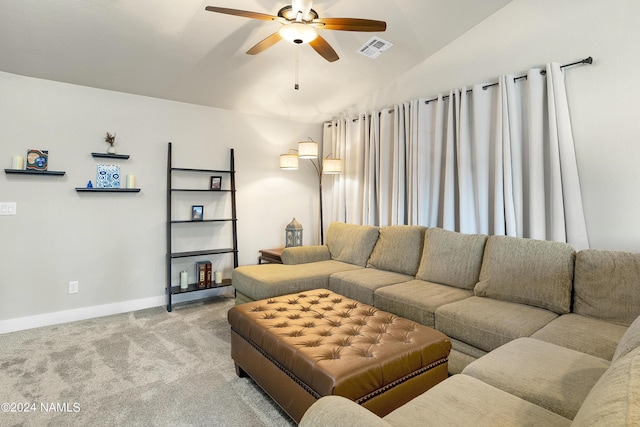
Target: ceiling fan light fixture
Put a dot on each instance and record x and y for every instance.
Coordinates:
(298, 33)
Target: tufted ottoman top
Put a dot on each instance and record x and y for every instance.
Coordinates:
(338, 346)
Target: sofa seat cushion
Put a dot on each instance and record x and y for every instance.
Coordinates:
(360, 284)
(527, 271)
(270, 280)
(451, 258)
(417, 300)
(462, 400)
(606, 285)
(398, 249)
(547, 375)
(615, 399)
(586, 334)
(351, 243)
(487, 323)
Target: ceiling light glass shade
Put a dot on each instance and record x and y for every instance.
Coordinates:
(308, 150)
(331, 166)
(298, 33)
(288, 162)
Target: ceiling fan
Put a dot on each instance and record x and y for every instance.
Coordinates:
(300, 24)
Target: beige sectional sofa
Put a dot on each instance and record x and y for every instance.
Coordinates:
(536, 328)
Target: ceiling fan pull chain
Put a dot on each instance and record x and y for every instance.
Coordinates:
(296, 86)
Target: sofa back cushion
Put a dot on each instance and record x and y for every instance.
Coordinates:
(451, 258)
(351, 243)
(607, 285)
(527, 271)
(613, 401)
(398, 249)
(629, 341)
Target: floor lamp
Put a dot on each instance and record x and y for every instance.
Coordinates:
(328, 166)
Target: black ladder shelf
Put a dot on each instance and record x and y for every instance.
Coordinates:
(172, 289)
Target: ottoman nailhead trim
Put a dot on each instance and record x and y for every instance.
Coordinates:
(399, 381)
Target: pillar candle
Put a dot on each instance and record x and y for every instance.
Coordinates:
(184, 280)
(17, 162)
(218, 277)
(131, 181)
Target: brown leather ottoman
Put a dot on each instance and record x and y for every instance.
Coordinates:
(301, 347)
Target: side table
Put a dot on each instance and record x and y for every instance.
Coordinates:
(270, 256)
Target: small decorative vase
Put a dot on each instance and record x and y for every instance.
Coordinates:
(111, 150)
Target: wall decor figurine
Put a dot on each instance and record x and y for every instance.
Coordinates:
(111, 139)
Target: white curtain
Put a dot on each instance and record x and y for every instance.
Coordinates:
(496, 159)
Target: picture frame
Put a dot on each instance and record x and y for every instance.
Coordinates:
(216, 183)
(197, 213)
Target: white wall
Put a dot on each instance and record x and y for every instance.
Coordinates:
(114, 244)
(603, 97)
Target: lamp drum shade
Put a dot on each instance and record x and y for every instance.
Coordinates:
(331, 166)
(288, 161)
(308, 150)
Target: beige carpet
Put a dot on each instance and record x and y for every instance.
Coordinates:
(146, 368)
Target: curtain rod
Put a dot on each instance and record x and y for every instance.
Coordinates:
(588, 60)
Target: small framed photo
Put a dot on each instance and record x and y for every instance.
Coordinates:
(216, 183)
(197, 213)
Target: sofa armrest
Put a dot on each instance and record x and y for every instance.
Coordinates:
(305, 254)
(340, 411)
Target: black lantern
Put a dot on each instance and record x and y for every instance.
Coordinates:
(294, 233)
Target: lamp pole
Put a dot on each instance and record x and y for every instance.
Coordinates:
(318, 167)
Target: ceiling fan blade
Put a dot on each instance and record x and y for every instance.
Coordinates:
(325, 50)
(243, 13)
(265, 44)
(351, 24)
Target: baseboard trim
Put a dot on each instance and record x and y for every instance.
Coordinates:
(58, 317)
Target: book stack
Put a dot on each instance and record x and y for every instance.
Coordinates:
(204, 274)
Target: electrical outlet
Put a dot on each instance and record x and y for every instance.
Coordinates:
(73, 287)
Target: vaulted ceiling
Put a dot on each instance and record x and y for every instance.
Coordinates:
(174, 49)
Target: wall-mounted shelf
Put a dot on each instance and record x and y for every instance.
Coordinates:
(107, 190)
(111, 156)
(34, 172)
